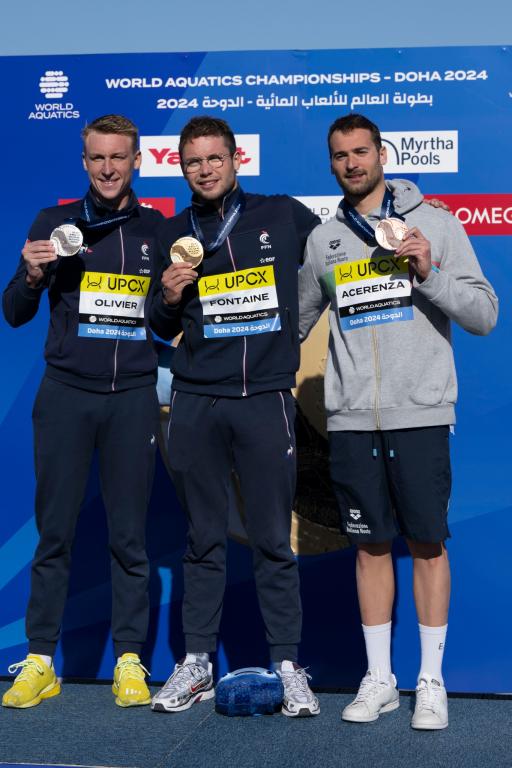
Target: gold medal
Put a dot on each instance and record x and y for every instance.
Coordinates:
(389, 233)
(187, 249)
(67, 240)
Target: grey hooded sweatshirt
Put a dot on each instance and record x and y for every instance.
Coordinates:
(391, 365)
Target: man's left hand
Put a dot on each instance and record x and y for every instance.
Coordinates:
(416, 248)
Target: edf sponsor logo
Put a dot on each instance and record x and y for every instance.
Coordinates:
(160, 156)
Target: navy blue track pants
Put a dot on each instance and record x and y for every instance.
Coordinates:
(69, 425)
(209, 437)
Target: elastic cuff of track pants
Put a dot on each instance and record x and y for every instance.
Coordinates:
(200, 643)
(284, 653)
(42, 648)
(125, 647)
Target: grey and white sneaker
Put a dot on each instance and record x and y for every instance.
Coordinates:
(374, 698)
(431, 710)
(298, 700)
(187, 684)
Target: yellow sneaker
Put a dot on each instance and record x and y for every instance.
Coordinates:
(129, 686)
(36, 681)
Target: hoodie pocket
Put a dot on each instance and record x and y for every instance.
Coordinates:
(58, 331)
(64, 333)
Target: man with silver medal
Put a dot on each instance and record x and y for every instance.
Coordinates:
(98, 392)
(231, 288)
(403, 272)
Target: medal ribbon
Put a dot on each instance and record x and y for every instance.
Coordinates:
(360, 226)
(227, 224)
(94, 217)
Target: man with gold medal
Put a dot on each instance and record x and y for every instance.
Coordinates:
(231, 288)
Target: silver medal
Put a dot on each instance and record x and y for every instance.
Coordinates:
(67, 240)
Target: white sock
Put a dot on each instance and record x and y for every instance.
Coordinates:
(197, 658)
(432, 650)
(377, 639)
(47, 659)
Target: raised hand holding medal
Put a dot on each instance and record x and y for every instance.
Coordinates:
(37, 254)
(416, 248)
(185, 254)
(188, 252)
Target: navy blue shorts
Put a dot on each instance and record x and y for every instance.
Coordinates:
(392, 482)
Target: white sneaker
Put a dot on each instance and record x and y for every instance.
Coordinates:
(298, 700)
(431, 710)
(374, 697)
(187, 684)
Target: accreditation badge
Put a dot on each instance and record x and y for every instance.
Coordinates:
(240, 303)
(112, 306)
(373, 291)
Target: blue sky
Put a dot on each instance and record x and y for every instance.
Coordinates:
(97, 26)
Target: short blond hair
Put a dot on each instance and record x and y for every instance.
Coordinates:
(113, 124)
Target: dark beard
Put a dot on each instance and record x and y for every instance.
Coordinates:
(362, 192)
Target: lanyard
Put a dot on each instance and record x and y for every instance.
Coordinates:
(227, 224)
(360, 226)
(90, 218)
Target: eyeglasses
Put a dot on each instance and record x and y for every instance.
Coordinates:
(195, 164)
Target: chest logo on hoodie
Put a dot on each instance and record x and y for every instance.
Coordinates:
(112, 306)
(373, 291)
(239, 303)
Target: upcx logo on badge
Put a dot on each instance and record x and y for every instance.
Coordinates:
(422, 151)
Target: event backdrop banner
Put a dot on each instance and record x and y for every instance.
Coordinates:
(446, 119)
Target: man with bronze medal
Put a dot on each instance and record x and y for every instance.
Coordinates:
(403, 272)
(231, 288)
(96, 258)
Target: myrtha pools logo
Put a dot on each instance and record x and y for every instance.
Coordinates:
(422, 151)
(54, 85)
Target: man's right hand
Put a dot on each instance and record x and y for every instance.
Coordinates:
(37, 255)
(174, 281)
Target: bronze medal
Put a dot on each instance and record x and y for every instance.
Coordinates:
(389, 233)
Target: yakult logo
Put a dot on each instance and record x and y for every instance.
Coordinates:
(481, 214)
(422, 151)
(160, 156)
